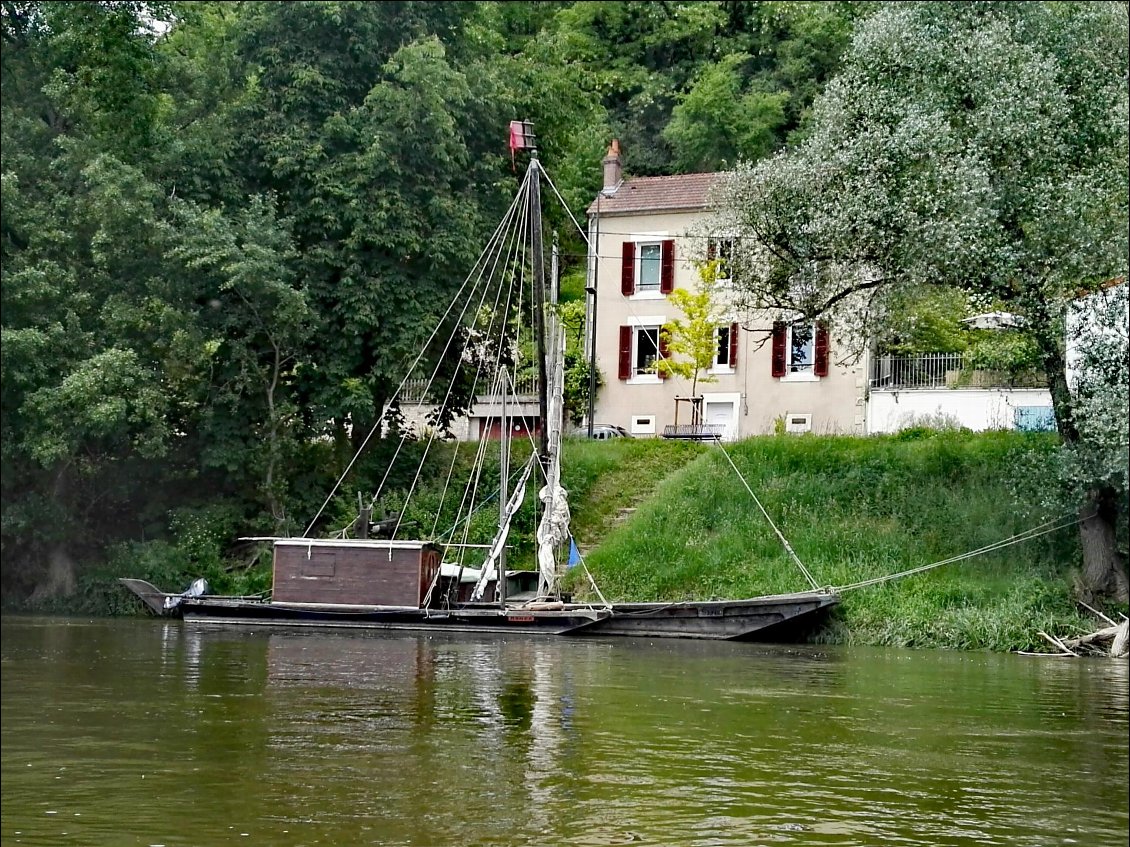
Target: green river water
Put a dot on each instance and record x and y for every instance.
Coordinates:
(145, 732)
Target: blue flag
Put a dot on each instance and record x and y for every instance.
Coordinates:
(574, 553)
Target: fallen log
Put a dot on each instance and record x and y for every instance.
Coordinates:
(1120, 646)
(1108, 641)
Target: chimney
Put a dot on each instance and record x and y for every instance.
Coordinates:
(613, 174)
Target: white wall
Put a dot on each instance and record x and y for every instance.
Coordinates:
(975, 408)
(834, 403)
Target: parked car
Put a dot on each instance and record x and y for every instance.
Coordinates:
(602, 432)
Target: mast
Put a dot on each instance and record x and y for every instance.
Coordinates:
(537, 261)
(503, 480)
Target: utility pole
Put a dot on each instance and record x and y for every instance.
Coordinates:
(590, 290)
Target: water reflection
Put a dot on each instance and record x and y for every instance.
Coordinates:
(311, 737)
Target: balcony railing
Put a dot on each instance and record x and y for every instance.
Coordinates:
(416, 391)
(944, 370)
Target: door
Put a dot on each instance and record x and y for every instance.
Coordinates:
(722, 415)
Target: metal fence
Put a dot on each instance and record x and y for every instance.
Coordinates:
(416, 390)
(944, 370)
(925, 370)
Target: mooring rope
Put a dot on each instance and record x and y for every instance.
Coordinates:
(1036, 531)
(780, 535)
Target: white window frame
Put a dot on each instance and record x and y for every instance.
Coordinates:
(717, 367)
(647, 240)
(808, 374)
(637, 324)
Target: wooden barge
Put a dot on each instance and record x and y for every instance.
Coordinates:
(380, 584)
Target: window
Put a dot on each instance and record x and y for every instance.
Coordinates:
(647, 268)
(643, 425)
(800, 350)
(798, 423)
(640, 347)
(721, 249)
(645, 350)
(726, 353)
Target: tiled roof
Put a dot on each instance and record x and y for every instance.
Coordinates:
(657, 194)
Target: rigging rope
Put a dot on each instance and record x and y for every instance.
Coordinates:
(780, 535)
(455, 375)
(564, 205)
(419, 356)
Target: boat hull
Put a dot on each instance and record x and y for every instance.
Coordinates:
(775, 617)
(768, 617)
(464, 619)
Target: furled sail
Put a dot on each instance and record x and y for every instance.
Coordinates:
(553, 530)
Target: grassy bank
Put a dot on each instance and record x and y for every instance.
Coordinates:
(854, 509)
(661, 520)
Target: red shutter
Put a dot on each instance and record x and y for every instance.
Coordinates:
(625, 352)
(667, 268)
(820, 367)
(733, 345)
(628, 269)
(711, 249)
(662, 353)
(779, 336)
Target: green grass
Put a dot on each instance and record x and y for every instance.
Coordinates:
(854, 509)
(661, 520)
(604, 478)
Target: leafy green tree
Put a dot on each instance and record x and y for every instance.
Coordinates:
(692, 342)
(85, 411)
(379, 157)
(260, 322)
(668, 74)
(717, 123)
(975, 146)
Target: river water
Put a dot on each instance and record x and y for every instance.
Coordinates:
(156, 733)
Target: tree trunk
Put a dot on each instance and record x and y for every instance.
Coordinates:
(1104, 571)
(60, 580)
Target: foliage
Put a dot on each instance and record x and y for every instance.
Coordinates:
(980, 147)
(854, 509)
(924, 320)
(716, 123)
(662, 71)
(692, 343)
(1007, 351)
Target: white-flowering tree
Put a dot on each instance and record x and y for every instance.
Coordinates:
(977, 146)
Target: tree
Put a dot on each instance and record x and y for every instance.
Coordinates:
(85, 410)
(369, 124)
(696, 338)
(980, 147)
(260, 323)
(716, 122)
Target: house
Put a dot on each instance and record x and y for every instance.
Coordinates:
(646, 238)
